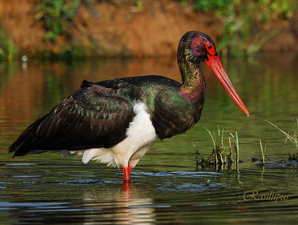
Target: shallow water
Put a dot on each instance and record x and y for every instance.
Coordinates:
(167, 186)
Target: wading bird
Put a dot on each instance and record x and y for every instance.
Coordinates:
(117, 121)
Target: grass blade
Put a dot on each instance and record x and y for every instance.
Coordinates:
(292, 139)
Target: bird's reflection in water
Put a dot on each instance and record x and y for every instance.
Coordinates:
(127, 206)
(98, 204)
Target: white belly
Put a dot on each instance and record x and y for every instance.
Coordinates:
(140, 138)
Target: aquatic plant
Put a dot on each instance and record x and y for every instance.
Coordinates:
(293, 138)
(236, 147)
(199, 159)
(293, 157)
(263, 151)
(218, 155)
(219, 158)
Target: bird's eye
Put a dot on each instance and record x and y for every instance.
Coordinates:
(210, 48)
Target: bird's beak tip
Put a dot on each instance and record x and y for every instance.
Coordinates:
(217, 68)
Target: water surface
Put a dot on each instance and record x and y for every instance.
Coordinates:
(167, 186)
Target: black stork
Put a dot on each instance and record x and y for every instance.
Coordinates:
(117, 121)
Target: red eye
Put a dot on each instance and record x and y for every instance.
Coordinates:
(210, 48)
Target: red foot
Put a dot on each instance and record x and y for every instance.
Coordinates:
(126, 172)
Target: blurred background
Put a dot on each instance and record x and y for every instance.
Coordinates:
(143, 28)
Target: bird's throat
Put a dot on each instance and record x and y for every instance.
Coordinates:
(193, 81)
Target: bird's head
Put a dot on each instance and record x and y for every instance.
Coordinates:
(197, 47)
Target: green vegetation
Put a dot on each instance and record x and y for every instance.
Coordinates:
(263, 151)
(206, 5)
(8, 51)
(139, 4)
(236, 146)
(218, 155)
(241, 18)
(218, 147)
(56, 15)
(293, 138)
(242, 31)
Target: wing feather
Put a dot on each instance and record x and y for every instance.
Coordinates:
(94, 116)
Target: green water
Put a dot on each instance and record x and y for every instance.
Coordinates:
(167, 187)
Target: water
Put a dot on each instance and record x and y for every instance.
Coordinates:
(167, 186)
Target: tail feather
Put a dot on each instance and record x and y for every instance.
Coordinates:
(25, 142)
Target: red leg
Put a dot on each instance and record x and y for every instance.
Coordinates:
(126, 172)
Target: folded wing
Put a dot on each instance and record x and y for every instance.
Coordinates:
(94, 116)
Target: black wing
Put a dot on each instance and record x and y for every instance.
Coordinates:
(94, 116)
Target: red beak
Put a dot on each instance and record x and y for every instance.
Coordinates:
(215, 65)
